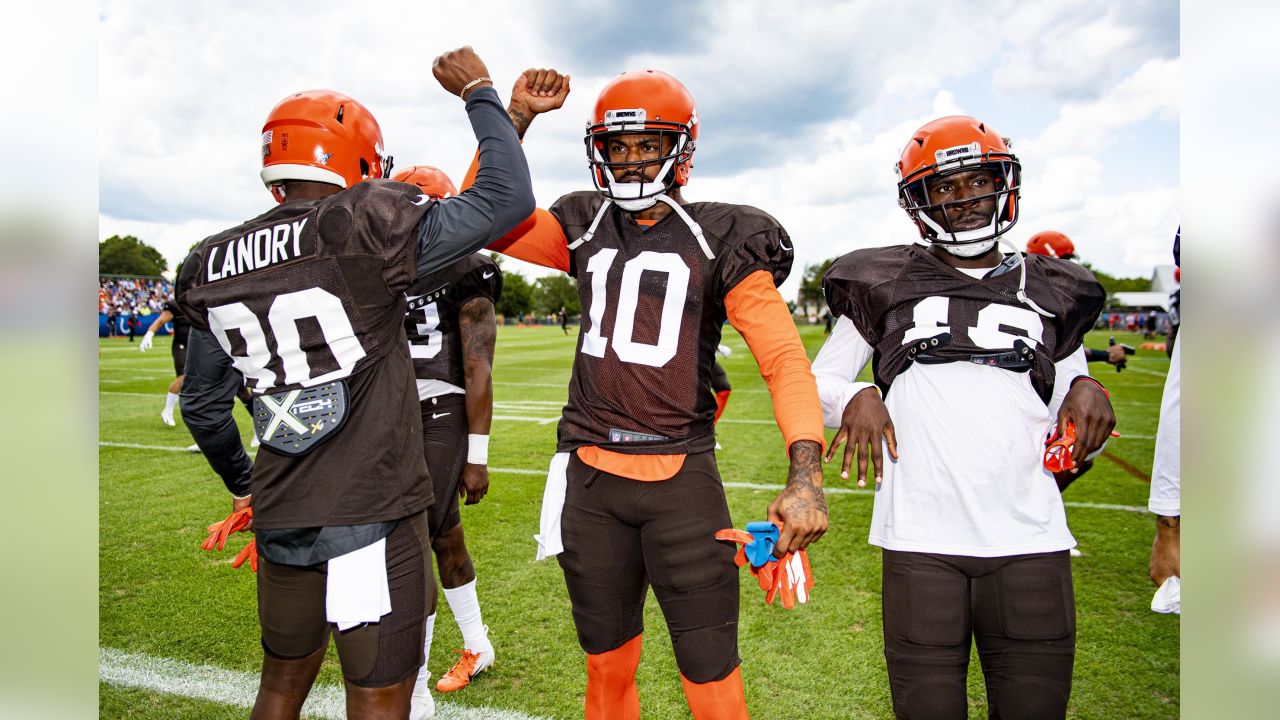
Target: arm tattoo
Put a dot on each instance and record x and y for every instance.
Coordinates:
(479, 330)
(806, 464)
(520, 120)
(1169, 521)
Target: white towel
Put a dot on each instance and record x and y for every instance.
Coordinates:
(357, 591)
(548, 536)
(1168, 598)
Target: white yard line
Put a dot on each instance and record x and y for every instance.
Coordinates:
(238, 688)
(734, 485)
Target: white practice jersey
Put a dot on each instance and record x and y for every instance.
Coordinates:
(970, 479)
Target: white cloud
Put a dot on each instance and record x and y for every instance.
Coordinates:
(804, 112)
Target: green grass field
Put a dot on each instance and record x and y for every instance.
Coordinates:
(161, 597)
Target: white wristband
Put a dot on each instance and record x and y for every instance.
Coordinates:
(478, 449)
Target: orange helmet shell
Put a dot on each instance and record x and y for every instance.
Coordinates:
(1051, 243)
(645, 101)
(321, 136)
(430, 180)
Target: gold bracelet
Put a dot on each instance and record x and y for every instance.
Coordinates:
(472, 84)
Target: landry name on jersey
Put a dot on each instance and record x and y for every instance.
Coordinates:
(309, 298)
(431, 319)
(912, 307)
(653, 307)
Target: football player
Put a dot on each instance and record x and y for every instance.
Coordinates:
(1052, 243)
(1165, 498)
(181, 329)
(452, 330)
(307, 302)
(634, 497)
(181, 334)
(976, 354)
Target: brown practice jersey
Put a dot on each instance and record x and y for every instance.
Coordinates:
(312, 293)
(431, 320)
(653, 307)
(181, 328)
(910, 306)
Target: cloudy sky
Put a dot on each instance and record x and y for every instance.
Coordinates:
(804, 106)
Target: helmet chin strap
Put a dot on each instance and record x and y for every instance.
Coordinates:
(968, 251)
(694, 227)
(1022, 279)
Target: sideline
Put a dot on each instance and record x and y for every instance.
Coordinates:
(239, 688)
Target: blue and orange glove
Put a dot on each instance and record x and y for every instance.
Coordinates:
(1061, 444)
(788, 577)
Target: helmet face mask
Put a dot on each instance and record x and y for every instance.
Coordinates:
(675, 147)
(958, 146)
(649, 103)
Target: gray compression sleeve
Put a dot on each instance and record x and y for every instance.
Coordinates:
(208, 397)
(500, 199)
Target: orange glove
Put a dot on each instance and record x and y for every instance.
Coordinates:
(793, 579)
(218, 532)
(248, 552)
(789, 576)
(1061, 444)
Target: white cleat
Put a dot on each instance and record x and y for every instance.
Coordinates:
(194, 448)
(1075, 553)
(718, 446)
(167, 416)
(422, 706)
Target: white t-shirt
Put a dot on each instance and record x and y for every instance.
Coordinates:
(1166, 471)
(970, 479)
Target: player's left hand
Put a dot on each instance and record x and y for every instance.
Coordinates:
(1088, 406)
(475, 482)
(145, 345)
(800, 510)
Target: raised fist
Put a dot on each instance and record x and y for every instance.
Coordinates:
(456, 68)
(539, 90)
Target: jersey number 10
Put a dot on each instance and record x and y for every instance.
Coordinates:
(626, 348)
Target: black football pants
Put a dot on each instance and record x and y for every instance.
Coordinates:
(1020, 610)
(621, 535)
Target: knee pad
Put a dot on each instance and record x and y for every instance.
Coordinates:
(709, 654)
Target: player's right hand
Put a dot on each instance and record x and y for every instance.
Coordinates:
(145, 345)
(865, 421)
(456, 68)
(539, 90)
(475, 482)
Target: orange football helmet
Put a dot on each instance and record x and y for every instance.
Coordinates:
(321, 136)
(953, 144)
(430, 180)
(1051, 243)
(650, 102)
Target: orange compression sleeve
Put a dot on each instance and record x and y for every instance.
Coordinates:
(758, 312)
(539, 239)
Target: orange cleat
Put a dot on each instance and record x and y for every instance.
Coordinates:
(468, 666)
